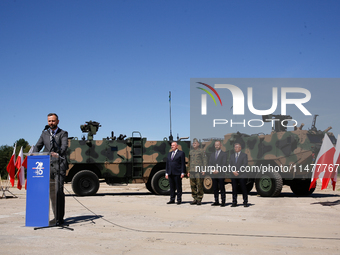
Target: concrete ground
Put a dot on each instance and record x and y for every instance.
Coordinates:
(130, 220)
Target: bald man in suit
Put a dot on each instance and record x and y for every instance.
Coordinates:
(175, 170)
(218, 159)
(237, 160)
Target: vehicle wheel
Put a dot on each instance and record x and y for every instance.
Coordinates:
(268, 184)
(208, 185)
(301, 188)
(148, 187)
(85, 183)
(160, 184)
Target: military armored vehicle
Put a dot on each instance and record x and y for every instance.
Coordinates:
(291, 152)
(118, 160)
(122, 160)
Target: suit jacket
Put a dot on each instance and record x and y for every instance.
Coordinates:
(220, 162)
(221, 159)
(176, 166)
(60, 146)
(241, 161)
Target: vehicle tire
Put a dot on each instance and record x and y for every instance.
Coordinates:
(160, 184)
(269, 184)
(85, 183)
(301, 187)
(148, 187)
(208, 185)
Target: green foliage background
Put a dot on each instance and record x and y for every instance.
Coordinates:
(6, 153)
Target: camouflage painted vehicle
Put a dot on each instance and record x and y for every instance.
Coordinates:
(118, 160)
(293, 151)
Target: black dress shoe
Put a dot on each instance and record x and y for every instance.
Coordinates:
(245, 204)
(223, 204)
(194, 202)
(60, 222)
(199, 202)
(179, 202)
(215, 204)
(233, 205)
(170, 202)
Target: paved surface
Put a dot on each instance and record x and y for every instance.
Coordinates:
(130, 220)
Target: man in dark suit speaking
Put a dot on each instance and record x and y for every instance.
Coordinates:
(175, 169)
(237, 160)
(55, 141)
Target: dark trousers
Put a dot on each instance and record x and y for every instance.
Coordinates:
(57, 196)
(218, 184)
(242, 182)
(175, 182)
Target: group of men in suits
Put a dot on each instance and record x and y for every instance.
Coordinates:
(236, 161)
(175, 171)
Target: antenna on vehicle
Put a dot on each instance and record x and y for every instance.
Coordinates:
(171, 138)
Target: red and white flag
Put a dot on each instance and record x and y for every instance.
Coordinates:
(322, 162)
(24, 164)
(21, 169)
(336, 161)
(11, 167)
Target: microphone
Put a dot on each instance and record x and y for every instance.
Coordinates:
(46, 127)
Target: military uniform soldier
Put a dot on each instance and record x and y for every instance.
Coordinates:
(196, 158)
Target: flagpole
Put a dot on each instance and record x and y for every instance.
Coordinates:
(170, 137)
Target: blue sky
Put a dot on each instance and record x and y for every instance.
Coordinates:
(116, 61)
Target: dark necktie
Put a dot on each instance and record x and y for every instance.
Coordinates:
(51, 139)
(172, 155)
(236, 157)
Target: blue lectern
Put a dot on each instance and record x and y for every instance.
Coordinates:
(38, 191)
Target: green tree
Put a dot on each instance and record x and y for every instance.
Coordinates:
(5, 155)
(21, 142)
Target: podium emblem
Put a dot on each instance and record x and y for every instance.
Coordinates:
(39, 168)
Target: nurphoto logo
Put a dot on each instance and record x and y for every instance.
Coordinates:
(248, 102)
(238, 99)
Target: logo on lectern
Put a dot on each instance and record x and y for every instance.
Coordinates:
(39, 168)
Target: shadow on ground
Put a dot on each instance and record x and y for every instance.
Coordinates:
(82, 219)
(337, 202)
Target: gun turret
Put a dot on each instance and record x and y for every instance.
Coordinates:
(313, 127)
(281, 121)
(91, 128)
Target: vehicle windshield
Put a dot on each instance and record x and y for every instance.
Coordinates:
(318, 138)
(315, 138)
